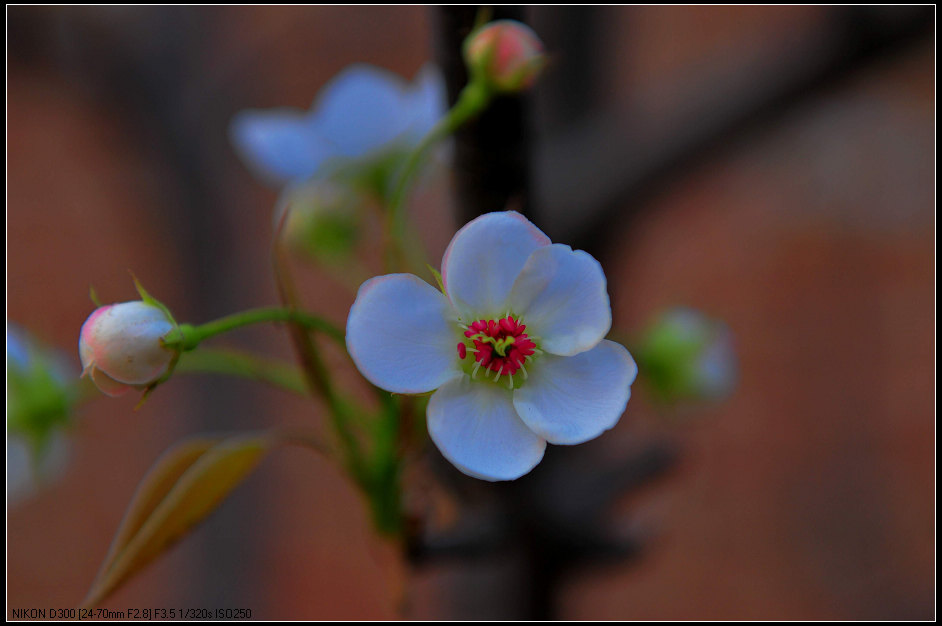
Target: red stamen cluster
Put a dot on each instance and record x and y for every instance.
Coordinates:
(485, 351)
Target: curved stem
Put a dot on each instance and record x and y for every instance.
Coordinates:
(188, 337)
(316, 374)
(473, 99)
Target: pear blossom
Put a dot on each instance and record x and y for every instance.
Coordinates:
(364, 113)
(40, 403)
(512, 346)
(121, 346)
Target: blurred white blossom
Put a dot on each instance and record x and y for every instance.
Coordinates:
(363, 113)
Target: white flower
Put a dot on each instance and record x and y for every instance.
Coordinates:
(120, 346)
(514, 347)
(362, 113)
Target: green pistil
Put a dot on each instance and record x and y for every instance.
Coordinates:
(500, 345)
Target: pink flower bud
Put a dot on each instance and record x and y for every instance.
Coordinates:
(506, 53)
(120, 346)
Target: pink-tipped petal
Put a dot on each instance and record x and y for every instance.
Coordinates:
(126, 342)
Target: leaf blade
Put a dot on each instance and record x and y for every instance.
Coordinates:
(194, 494)
(154, 487)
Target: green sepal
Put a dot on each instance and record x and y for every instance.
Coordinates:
(438, 277)
(151, 300)
(93, 295)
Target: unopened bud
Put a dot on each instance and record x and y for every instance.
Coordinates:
(322, 218)
(506, 54)
(688, 356)
(121, 346)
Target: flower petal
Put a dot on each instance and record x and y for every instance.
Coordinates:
(475, 426)
(484, 258)
(561, 296)
(108, 385)
(279, 146)
(400, 336)
(361, 109)
(573, 399)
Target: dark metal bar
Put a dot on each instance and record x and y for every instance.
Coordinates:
(491, 158)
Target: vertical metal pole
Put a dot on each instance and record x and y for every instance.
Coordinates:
(491, 161)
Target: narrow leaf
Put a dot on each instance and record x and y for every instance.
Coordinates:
(153, 489)
(185, 486)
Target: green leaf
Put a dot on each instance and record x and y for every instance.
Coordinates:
(185, 485)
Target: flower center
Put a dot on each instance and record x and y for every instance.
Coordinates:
(500, 346)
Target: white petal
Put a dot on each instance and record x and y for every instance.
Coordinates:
(106, 384)
(716, 370)
(484, 258)
(279, 145)
(362, 109)
(561, 296)
(475, 426)
(572, 399)
(400, 336)
(18, 347)
(26, 474)
(20, 480)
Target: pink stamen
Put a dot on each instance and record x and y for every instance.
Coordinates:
(506, 332)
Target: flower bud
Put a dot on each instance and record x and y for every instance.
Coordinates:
(687, 356)
(120, 346)
(506, 54)
(322, 219)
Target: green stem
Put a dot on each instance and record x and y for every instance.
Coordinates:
(316, 373)
(473, 99)
(188, 337)
(243, 365)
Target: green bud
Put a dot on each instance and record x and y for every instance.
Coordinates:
(322, 218)
(687, 356)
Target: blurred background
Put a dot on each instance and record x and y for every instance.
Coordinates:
(772, 167)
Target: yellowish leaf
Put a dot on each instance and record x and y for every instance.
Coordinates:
(185, 486)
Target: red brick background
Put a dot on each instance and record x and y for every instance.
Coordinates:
(808, 495)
